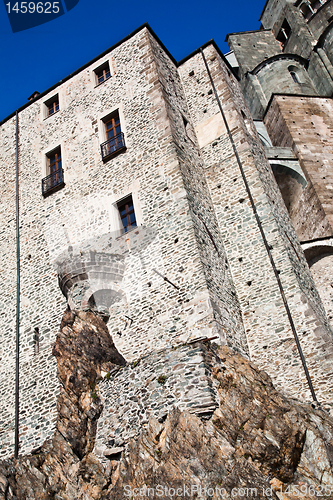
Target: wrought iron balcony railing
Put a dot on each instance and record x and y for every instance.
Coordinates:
(53, 182)
(112, 146)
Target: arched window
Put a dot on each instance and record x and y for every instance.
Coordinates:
(294, 73)
(307, 10)
(294, 76)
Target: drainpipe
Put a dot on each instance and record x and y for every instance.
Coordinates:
(17, 380)
(254, 208)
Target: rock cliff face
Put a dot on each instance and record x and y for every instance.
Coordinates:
(257, 444)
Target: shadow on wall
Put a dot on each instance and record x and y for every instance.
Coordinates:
(291, 184)
(320, 260)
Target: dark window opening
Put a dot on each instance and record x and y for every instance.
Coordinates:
(294, 76)
(316, 4)
(127, 214)
(55, 178)
(36, 340)
(284, 34)
(307, 11)
(52, 106)
(114, 137)
(309, 8)
(103, 73)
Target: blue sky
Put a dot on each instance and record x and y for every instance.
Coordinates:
(37, 58)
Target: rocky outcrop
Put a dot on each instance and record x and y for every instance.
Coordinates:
(257, 444)
(83, 349)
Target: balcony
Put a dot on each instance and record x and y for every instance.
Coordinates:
(113, 146)
(53, 182)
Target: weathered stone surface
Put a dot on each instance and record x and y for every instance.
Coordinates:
(256, 444)
(83, 348)
(195, 223)
(267, 326)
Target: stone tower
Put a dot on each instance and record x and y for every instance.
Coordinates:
(147, 196)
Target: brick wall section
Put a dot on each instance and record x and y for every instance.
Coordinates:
(305, 124)
(268, 331)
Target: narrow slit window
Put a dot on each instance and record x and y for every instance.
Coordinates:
(294, 76)
(36, 340)
(294, 73)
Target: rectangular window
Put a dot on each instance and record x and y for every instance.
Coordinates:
(102, 73)
(52, 105)
(112, 126)
(284, 34)
(55, 178)
(127, 214)
(114, 137)
(54, 161)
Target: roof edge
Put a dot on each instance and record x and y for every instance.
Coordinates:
(245, 33)
(277, 94)
(81, 68)
(263, 10)
(276, 57)
(218, 50)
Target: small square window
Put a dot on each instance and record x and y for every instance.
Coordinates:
(102, 73)
(127, 213)
(55, 174)
(52, 105)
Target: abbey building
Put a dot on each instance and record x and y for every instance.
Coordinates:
(180, 201)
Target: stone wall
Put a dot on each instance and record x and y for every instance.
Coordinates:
(305, 125)
(160, 168)
(319, 254)
(222, 296)
(195, 266)
(267, 326)
(242, 44)
(150, 387)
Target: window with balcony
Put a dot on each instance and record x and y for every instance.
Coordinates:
(102, 73)
(114, 137)
(127, 214)
(52, 105)
(55, 178)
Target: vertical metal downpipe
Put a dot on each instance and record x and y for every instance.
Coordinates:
(254, 208)
(17, 377)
